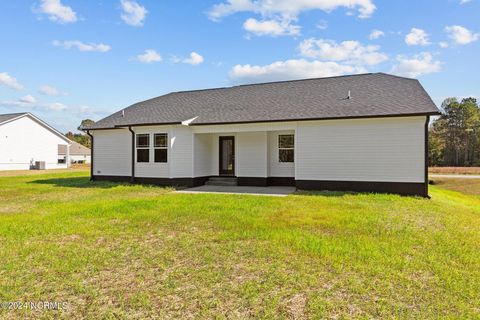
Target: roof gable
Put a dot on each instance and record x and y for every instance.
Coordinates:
(7, 118)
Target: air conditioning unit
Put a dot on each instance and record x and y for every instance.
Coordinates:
(39, 165)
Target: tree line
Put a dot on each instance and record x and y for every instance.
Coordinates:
(454, 138)
(81, 138)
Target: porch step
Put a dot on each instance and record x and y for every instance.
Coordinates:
(222, 181)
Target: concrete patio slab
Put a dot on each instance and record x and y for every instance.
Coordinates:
(243, 190)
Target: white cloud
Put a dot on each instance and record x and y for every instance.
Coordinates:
(417, 37)
(133, 13)
(461, 35)
(443, 44)
(57, 12)
(322, 25)
(9, 81)
(149, 56)
(290, 69)
(56, 106)
(81, 46)
(29, 99)
(375, 34)
(464, 1)
(350, 52)
(288, 8)
(50, 91)
(417, 65)
(271, 27)
(194, 59)
(31, 103)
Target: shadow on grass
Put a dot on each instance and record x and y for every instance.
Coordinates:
(78, 182)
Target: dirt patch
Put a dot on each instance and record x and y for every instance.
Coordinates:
(454, 170)
(296, 306)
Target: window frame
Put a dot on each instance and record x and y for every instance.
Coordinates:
(160, 147)
(142, 147)
(280, 148)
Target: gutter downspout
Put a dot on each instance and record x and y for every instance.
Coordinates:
(427, 121)
(132, 178)
(91, 155)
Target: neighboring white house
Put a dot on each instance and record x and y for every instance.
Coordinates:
(360, 133)
(78, 153)
(26, 140)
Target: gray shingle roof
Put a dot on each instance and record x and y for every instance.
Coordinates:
(76, 149)
(372, 95)
(9, 116)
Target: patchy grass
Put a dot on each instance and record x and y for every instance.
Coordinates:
(15, 173)
(454, 170)
(121, 251)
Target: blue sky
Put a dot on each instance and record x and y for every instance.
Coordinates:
(67, 60)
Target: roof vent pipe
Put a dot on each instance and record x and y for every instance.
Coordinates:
(349, 96)
(123, 113)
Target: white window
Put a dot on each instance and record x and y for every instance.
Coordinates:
(161, 147)
(286, 148)
(143, 147)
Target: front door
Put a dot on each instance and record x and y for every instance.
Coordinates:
(227, 156)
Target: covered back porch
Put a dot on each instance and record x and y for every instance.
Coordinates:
(245, 158)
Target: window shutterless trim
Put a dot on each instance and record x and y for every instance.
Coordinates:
(142, 147)
(284, 148)
(160, 147)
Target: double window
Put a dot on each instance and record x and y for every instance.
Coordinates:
(160, 147)
(286, 148)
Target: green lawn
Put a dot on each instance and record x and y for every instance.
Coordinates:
(119, 251)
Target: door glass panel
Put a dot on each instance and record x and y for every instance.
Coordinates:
(227, 148)
(227, 155)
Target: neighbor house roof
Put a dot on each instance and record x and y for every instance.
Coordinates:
(6, 118)
(371, 95)
(76, 149)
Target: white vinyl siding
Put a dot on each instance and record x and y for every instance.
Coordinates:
(112, 152)
(181, 155)
(25, 140)
(383, 149)
(275, 167)
(251, 157)
(387, 149)
(203, 154)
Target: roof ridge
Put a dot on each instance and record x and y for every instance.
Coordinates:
(395, 76)
(307, 79)
(270, 82)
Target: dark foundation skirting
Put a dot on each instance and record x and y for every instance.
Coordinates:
(403, 188)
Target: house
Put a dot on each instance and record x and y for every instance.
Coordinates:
(361, 133)
(26, 140)
(78, 153)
